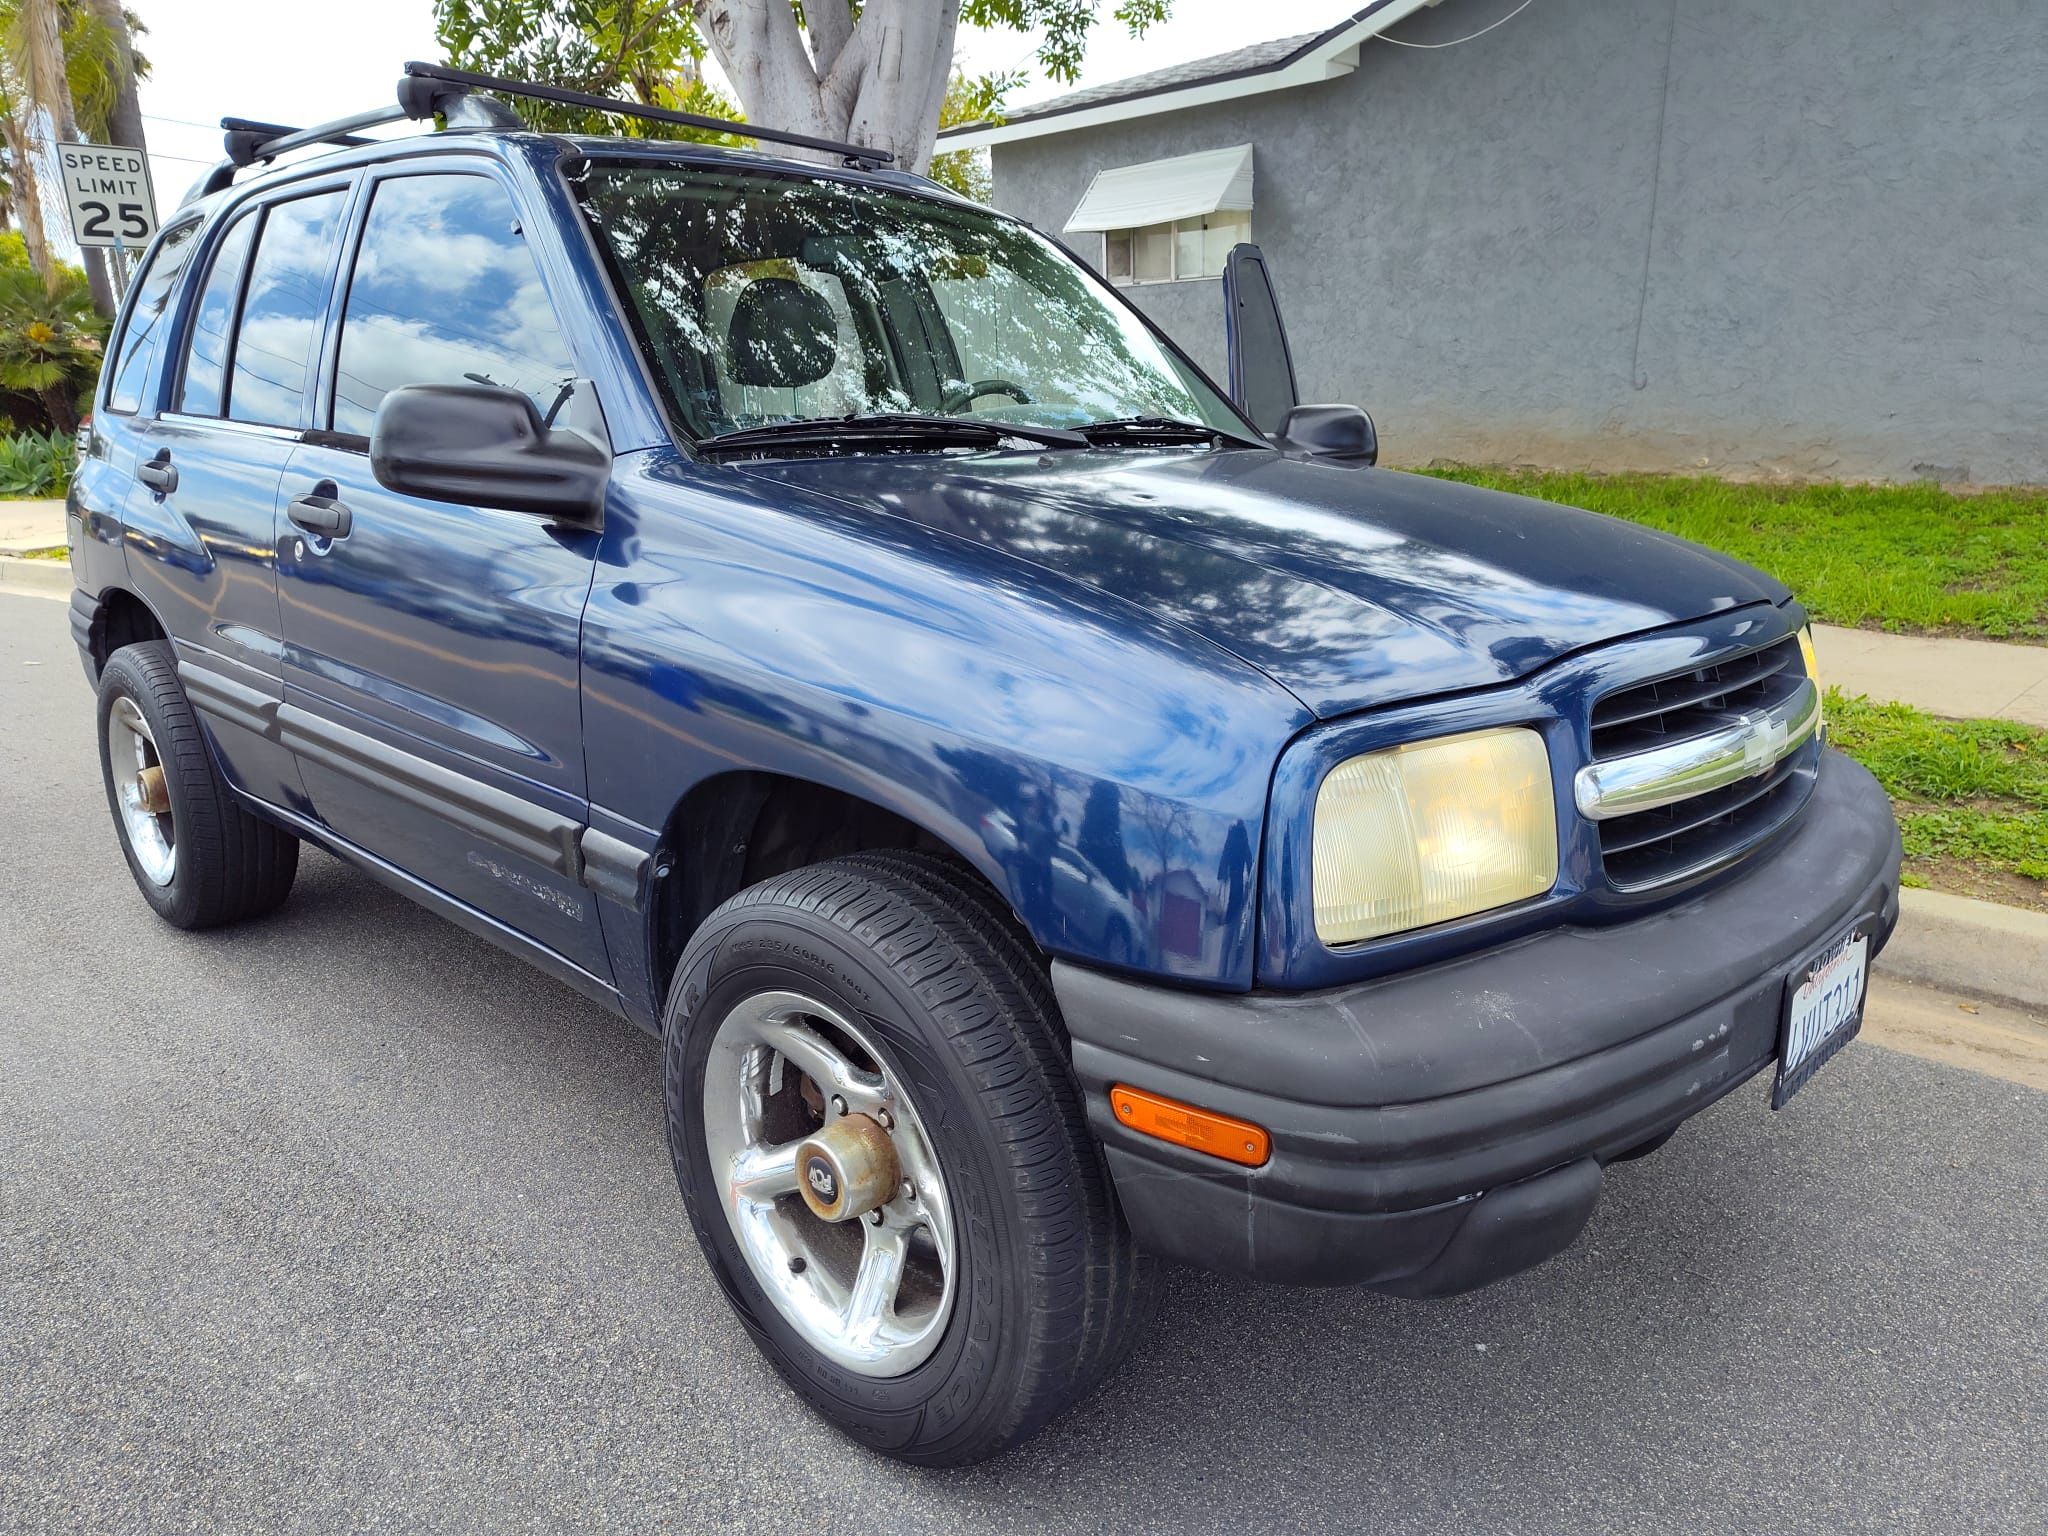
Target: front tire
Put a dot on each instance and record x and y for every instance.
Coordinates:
(887, 990)
(198, 858)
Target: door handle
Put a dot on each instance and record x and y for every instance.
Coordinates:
(318, 512)
(159, 474)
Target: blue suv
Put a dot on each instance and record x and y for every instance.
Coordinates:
(1058, 814)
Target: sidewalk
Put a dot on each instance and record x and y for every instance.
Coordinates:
(1962, 679)
(30, 525)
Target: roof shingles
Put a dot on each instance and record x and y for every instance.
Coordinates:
(1217, 66)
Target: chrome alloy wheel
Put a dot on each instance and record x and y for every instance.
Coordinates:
(142, 791)
(830, 1183)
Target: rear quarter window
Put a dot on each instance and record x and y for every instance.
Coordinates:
(141, 334)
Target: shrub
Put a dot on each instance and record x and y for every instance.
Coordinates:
(36, 463)
(51, 343)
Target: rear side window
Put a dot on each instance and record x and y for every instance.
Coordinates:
(204, 391)
(141, 336)
(282, 310)
(445, 291)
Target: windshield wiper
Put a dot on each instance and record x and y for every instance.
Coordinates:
(1154, 429)
(854, 433)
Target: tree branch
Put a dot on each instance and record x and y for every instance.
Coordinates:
(831, 25)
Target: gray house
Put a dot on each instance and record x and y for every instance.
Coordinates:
(1733, 235)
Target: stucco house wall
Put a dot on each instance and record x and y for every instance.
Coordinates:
(1733, 235)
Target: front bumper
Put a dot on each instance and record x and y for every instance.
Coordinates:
(1440, 1129)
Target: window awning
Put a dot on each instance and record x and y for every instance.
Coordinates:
(1185, 187)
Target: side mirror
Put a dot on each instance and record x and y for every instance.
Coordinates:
(1340, 432)
(482, 445)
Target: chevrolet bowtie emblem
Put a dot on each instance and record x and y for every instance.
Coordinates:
(1763, 742)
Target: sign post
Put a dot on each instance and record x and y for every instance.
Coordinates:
(107, 190)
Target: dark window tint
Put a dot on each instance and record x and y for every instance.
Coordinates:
(140, 337)
(281, 312)
(445, 291)
(204, 391)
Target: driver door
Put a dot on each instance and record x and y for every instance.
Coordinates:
(432, 650)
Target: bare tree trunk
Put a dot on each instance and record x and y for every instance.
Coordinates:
(50, 89)
(124, 123)
(876, 82)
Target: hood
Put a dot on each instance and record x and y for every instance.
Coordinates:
(1353, 588)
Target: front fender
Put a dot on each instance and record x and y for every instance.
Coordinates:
(1104, 769)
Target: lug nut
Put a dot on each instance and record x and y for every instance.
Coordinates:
(838, 1105)
(886, 1120)
(909, 1190)
(875, 1216)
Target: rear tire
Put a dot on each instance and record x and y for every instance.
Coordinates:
(927, 973)
(199, 859)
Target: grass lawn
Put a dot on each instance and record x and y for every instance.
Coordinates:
(1914, 559)
(1971, 795)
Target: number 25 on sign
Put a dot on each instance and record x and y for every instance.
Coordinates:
(107, 190)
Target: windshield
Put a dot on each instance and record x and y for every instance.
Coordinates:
(774, 298)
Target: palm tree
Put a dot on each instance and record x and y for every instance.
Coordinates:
(35, 44)
(24, 191)
(115, 33)
(50, 339)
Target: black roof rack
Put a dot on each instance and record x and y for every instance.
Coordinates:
(854, 154)
(430, 90)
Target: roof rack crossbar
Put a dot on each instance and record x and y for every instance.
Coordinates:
(248, 141)
(341, 130)
(267, 131)
(854, 153)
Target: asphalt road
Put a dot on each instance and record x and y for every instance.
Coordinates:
(342, 1221)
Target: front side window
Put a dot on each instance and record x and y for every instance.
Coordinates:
(203, 391)
(764, 298)
(283, 309)
(445, 291)
(140, 337)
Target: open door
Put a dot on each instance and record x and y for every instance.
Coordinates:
(1261, 366)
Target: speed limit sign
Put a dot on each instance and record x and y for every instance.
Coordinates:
(107, 189)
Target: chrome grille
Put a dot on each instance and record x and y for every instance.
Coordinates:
(1652, 847)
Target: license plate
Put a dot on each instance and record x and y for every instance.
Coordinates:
(1822, 1014)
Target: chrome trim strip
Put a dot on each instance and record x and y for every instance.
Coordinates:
(1754, 744)
(226, 424)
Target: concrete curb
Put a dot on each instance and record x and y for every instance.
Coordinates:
(1977, 948)
(44, 576)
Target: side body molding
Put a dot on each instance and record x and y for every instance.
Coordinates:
(599, 862)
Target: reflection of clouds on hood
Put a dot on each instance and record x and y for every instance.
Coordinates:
(445, 292)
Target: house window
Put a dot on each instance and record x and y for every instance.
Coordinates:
(1172, 220)
(1175, 252)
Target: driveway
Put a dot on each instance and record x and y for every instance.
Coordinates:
(344, 1220)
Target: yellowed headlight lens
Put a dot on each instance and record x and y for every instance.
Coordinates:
(1432, 831)
(1812, 660)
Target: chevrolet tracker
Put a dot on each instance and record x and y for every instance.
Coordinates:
(1058, 814)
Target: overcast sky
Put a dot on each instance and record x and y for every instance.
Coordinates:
(300, 61)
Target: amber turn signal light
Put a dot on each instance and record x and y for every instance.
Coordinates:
(1199, 1130)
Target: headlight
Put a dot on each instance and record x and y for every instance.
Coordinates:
(1433, 830)
(1806, 654)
